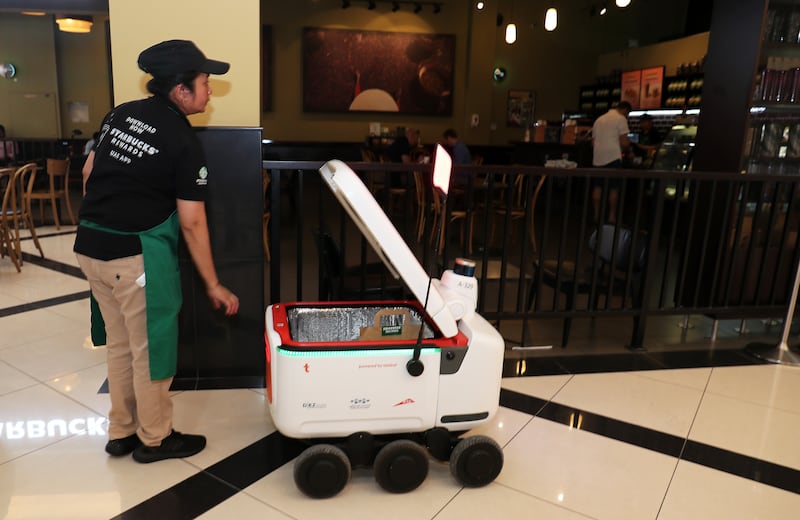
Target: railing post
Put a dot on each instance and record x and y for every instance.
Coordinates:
(649, 278)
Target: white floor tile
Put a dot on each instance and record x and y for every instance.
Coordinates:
(586, 473)
(230, 420)
(503, 427)
(775, 386)
(758, 431)
(543, 387)
(696, 378)
(496, 501)
(243, 507)
(54, 356)
(38, 416)
(12, 380)
(630, 397)
(27, 327)
(699, 492)
(76, 479)
(83, 386)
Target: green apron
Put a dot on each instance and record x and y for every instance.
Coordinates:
(162, 294)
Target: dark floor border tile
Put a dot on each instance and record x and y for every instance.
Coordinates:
(42, 304)
(720, 459)
(205, 490)
(60, 267)
(626, 362)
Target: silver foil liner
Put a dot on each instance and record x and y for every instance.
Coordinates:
(329, 324)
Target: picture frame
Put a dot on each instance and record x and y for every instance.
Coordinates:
(519, 108)
(378, 72)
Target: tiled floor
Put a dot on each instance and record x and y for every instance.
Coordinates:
(673, 433)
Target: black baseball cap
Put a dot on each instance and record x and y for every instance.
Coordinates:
(173, 57)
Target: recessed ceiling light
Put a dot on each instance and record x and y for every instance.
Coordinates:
(34, 13)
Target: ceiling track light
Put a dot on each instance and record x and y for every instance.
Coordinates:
(418, 6)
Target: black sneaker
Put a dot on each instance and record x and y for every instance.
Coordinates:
(120, 447)
(175, 446)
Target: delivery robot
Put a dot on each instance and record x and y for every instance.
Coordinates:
(386, 383)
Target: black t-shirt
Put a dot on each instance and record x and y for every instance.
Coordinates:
(146, 157)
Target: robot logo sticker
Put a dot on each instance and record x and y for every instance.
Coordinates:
(405, 402)
(315, 406)
(307, 368)
(360, 403)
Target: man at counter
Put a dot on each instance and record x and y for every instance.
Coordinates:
(647, 139)
(609, 138)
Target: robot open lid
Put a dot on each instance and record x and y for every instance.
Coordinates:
(376, 383)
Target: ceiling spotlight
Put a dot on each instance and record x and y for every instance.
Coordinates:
(371, 4)
(479, 6)
(511, 33)
(395, 7)
(74, 24)
(437, 8)
(345, 4)
(603, 11)
(417, 8)
(623, 3)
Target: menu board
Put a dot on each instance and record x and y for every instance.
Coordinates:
(652, 81)
(631, 87)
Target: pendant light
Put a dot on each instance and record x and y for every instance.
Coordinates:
(511, 28)
(511, 33)
(623, 3)
(551, 19)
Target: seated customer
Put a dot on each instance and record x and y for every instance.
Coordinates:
(400, 149)
(458, 150)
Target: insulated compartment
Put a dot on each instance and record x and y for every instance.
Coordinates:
(338, 368)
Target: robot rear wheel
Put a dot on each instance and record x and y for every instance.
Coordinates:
(321, 471)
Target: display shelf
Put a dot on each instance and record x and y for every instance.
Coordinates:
(685, 91)
(772, 141)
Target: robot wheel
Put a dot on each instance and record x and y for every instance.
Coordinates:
(401, 466)
(476, 461)
(321, 471)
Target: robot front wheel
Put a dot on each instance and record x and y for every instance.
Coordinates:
(321, 471)
(476, 461)
(401, 466)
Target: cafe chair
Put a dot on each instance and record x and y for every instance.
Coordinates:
(513, 212)
(58, 188)
(370, 281)
(16, 213)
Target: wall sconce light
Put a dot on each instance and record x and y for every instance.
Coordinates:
(551, 19)
(74, 24)
(7, 70)
(511, 33)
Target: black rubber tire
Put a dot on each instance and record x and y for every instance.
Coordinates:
(476, 461)
(401, 466)
(321, 471)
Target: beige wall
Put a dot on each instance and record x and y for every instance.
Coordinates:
(29, 102)
(83, 77)
(228, 32)
(671, 54)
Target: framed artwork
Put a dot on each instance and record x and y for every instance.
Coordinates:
(370, 71)
(266, 68)
(519, 110)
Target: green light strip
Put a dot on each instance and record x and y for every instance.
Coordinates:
(353, 353)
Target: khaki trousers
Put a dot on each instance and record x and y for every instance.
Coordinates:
(138, 404)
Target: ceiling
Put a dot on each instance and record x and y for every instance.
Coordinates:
(56, 6)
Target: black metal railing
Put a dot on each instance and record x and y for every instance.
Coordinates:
(718, 244)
